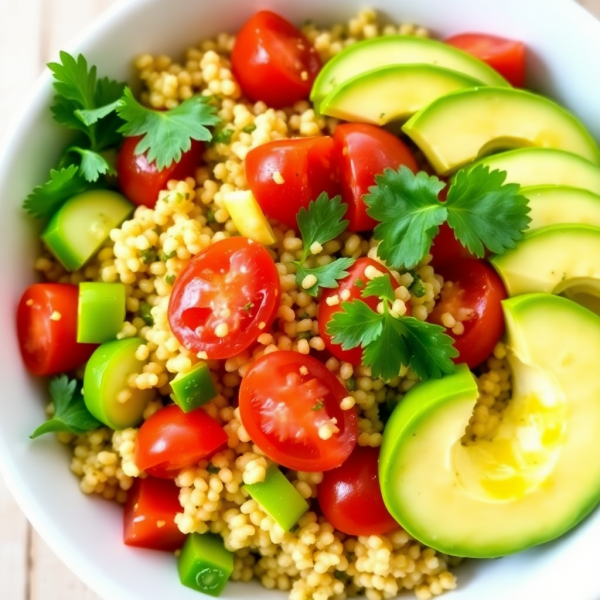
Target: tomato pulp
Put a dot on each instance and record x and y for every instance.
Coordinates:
(473, 296)
(225, 298)
(273, 60)
(290, 407)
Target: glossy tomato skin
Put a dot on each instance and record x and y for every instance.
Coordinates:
(171, 440)
(49, 346)
(140, 181)
(306, 167)
(506, 56)
(446, 248)
(363, 151)
(355, 273)
(285, 397)
(350, 496)
(149, 516)
(475, 286)
(233, 283)
(273, 61)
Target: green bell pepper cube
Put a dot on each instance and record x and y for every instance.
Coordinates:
(194, 388)
(101, 311)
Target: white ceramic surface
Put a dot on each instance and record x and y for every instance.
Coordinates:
(86, 533)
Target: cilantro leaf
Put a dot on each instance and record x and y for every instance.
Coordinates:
(389, 352)
(431, 350)
(93, 115)
(223, 136)
(409, 213)
(381, 287)
(70, 411)
(327, 275)
(166, 134)
(355, 325)
(322, 222)
(47, 198)
(92, 164)
(486, 212)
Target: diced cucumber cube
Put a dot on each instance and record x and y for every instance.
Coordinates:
(101, 311)
(204, 564)
(279, 498)
(194, 388)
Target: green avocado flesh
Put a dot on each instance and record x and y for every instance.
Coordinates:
(392, 93)
(466, 125)
(553, 204)
(105, 377)
(82, 224)
(537, 476)
(398, 50)
(557, 259)
(545, 166)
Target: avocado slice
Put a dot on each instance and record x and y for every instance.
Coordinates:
(398, 50)
(538, 476)
(545, 166)
(554, 204)
(465, 125)
(392, 93)
(557, 259)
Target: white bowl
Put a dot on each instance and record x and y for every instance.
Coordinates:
(563, 42)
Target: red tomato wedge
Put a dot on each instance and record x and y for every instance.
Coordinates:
(355, 283)
(273, 61)
(47, 329)
(285, 175)
(171, 440)
(363, 151)
(149, 517)
(350, 496)
(506, 56)
(140, 181)
(473, 298)
(286, 399)
(446, 248)
(225, 298)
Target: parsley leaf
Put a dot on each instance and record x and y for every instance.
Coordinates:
(166, 134)
(486, 212)
(390, 352)
(327, 275)
(354, 325)
(409, 213)
(223, 136)
(322, 222)
(70, 411)
(381, 287)
(92, 163)
(47, 198)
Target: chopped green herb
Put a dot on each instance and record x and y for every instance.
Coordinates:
(248, 306)
(168, 256)
(146, 313)
(340, 575)
(212, 469)
(304, 315)
(417, 288)
(319, 405)
(70, 412)
(210, 216)
(359, 283)
(223, 136)
(351, 384)
(170, 279)
(148, 256)
(304, 335)
(249, 128)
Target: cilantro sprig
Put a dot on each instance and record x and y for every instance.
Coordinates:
(483, 210)
(321, 223)
(70, 412)
(389, 340)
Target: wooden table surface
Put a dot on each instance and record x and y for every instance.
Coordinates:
(38, 29)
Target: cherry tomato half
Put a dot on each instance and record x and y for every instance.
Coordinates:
(363, 151)
(171, 440)
(149, 517)
(285, 175)
(273, 61)
(47, 329)
(225, 298)
(472, 294)
(140, 181)
(506, 56)
(355, 283)
(350, 496)
(446, 248)
(287, 400)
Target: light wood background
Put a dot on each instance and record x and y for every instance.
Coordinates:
(31, 32)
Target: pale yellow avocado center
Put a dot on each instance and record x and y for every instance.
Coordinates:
(520, 455)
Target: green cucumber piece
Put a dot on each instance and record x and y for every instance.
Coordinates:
(83, 224)
(205, 565)
(194, 388)
(279, 498)
(105, 377)
(101, 311)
